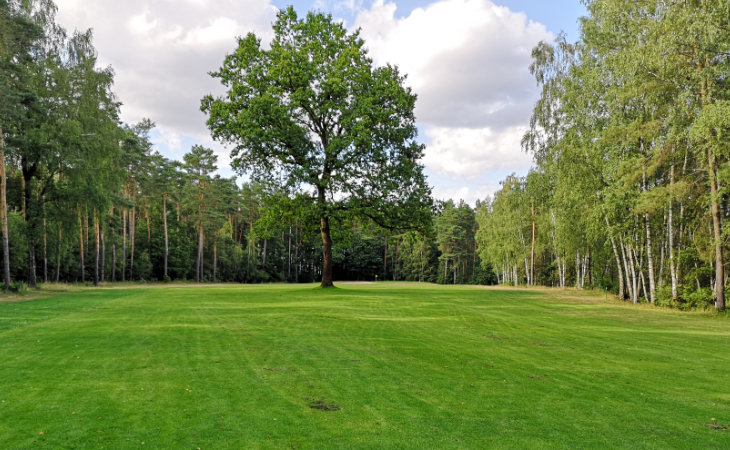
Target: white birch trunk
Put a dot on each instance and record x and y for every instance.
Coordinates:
(621, 288)
(670, 232)
(649, 253)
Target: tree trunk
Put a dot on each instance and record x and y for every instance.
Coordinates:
(662, 254)
(638, 264)
(634, 279)
(717, 233)
(630, 273)
(288, 266)
(621, 289)
(132, 230)
(97, 248)
(215, 259)
(124, 244)
(532, 247)
(706, 98)
(625, 266)
(4, 214)
(45, 246)
(326, 252)
(249, 248)
(561, 276)
(526, 260)
(23, 201)
(298, 264)
(81, 247)
(643, 281)
(385, 259)
(114, 262)
(395, 261)
(86, 233)
(102, 267)
(199, 261)
(670, 233)
(649, 253)
(149, 229)
(30, 223)
(263, 254)
(421, 265)
(167, 246)
(650, 260)
(58, 254)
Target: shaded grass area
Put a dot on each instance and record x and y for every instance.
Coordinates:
(361, 366)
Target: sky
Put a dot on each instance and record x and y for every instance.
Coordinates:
(467, 60)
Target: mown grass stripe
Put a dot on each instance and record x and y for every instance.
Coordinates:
(408, 366)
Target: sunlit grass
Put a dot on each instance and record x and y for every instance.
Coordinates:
(364, 366)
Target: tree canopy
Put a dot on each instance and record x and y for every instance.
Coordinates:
(631, 149)
(313, 112)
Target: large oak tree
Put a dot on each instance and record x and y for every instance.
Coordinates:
(314, 112)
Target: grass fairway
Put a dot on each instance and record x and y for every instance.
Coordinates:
(360, 366)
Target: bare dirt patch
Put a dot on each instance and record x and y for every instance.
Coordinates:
(324, 406)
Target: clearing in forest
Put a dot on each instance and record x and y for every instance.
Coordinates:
(378, 365)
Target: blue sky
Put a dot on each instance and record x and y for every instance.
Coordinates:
(466, 59)
(557, 15)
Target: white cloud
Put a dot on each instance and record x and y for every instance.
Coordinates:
(466, 59)
(470, 194)
(219, 30)
(469, 153)
(162, 51)
(168, 139)
(468, 62)
(141, 24)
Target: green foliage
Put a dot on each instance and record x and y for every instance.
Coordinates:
(690, 299)
(358, 258)
(629, 138)
(484, 274)
(18, 245)
(19, 287)
(313, 114)
(702, 298)
(142, 267)
(418, 257)
(455, 227)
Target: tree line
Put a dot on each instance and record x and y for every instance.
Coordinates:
(88, 199)
(632, 150)
(629, 191)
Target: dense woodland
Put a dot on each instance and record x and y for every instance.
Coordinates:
(631, 139)
(90, 199)
(629, 191)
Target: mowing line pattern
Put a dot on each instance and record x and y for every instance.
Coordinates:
(360, 366)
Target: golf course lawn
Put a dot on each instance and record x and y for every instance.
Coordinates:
(388, 365)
